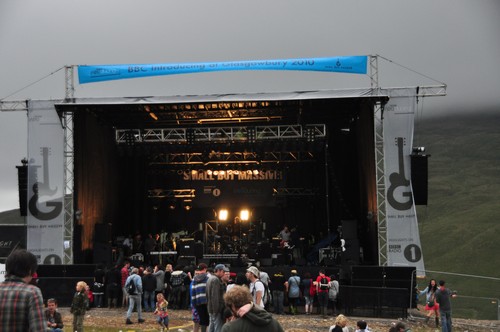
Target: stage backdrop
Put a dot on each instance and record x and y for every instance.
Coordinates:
(403, 239)
(45, 222)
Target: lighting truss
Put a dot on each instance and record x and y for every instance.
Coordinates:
(282, 192)
(219, 134)
(171, 193)
(231, 158)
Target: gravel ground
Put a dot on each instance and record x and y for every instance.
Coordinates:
(115, 318)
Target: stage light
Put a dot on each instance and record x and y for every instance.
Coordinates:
(310, 134)
(244, 215)
(418, 149)
(223, 214)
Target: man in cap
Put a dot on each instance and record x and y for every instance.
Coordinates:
(215, 297)
(257, 288)
(199, 295)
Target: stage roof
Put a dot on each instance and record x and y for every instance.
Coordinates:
(190, 110)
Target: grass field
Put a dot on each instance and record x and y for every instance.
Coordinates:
(459, 228)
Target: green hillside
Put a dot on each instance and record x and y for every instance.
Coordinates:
(459, 228)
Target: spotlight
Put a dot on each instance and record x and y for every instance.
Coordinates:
(187, 204)
(418, 149)
(244, 215)
(223, 214)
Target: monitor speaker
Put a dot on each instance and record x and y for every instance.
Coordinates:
(186, 261)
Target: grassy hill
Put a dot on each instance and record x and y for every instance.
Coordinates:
(459, 228)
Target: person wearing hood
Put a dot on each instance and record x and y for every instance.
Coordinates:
(247, 317)
(199, 295)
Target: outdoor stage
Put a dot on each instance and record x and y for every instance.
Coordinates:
(307, 162)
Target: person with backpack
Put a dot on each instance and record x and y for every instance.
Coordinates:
(257, 287)
(293, 289)
(309, 290)
(133, 286)
(322, 282)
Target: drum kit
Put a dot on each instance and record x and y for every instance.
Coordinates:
(228, 240)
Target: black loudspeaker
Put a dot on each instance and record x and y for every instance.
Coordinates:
(351, 253)
(264, 250)
(102, 233)
(22, 183)
(266, 261)
(186, 261)
(279, 260)
(187, 248)
(349, 229)
(198, 249)
(102, 254)
(327, 262)
(204, 261)
(300, 261)
(419, 178)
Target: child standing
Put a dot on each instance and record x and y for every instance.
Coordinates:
(161, 311)
(79, 306)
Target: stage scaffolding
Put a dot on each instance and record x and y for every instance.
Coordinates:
(207, 135)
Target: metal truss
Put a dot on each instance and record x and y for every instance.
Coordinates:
(70, 83)
(282, 192)
(69, 215)
(432, 90)
(373, 71)
(171, 193)
(220, 134)
(380, 178)
(230, 158)
(15, 105)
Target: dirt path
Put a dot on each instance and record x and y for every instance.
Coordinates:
(181, 319)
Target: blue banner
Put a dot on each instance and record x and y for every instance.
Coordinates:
(100, 73)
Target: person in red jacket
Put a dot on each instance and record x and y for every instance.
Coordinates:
(322, 282)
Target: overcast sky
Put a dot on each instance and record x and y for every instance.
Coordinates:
(452, 41)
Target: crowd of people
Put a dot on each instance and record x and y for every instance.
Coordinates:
(219, 299)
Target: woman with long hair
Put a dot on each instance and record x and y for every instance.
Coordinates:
(430, 301)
